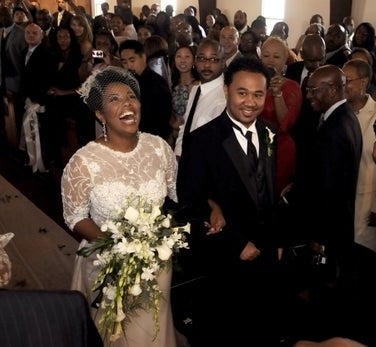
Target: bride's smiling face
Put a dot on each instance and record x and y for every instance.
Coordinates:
(121, 108)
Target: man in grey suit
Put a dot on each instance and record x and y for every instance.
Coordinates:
(238, 263)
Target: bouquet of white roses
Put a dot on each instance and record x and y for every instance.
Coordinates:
(132, 249)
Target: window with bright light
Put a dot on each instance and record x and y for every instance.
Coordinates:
(273, 11)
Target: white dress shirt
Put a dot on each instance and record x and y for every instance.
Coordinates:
(210, 105)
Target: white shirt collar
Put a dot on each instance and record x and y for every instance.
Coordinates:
(330, 110)
(209, 86)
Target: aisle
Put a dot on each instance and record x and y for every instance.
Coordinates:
(42, 253)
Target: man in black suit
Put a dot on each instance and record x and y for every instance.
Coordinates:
(313, 54)
(62, 17)
(329, 183)
(239, 262)
(103, 21)
(337, 51)
(39, 67)
(44, 20)
(156, 104)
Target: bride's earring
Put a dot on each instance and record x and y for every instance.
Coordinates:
(104, 130)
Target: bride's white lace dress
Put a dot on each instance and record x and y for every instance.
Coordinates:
(96, 180)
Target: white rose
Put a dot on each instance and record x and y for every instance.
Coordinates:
(166, 222)
(164, 252)
(131, 214)
(154, 213)
(135, 290)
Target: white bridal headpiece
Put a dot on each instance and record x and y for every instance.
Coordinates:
(92, 89)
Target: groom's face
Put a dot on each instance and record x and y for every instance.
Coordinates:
(245, 96)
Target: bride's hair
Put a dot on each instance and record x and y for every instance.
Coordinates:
(91, 91)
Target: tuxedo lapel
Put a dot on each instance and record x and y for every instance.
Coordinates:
(238, 158)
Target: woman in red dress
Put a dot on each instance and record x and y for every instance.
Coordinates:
(282, 108)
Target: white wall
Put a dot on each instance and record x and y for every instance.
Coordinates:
(364, 11)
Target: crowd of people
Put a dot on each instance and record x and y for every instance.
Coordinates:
(267, 151)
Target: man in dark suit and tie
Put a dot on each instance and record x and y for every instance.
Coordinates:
(39, 67)
(239, 262)
(155, 92)
(313, 54)
(62, 17)
(329, 183)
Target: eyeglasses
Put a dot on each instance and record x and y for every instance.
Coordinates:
(354, 79)
(183, 31)
(207, 60)
(313, 90)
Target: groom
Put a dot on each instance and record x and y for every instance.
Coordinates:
(239, 263)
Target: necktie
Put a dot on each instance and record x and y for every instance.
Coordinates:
(5, 33)
(251, 149)
(28, 55)
(188, 124)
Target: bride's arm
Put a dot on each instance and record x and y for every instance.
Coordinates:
(75, 191)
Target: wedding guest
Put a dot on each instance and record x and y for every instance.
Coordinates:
(184, 76)
(102, 174)
(103, 21)
(64, 105)
(206, 100)
(328, 189)
(249, 42)
(156, 50)
(143, 32)
(242, 258)
(358, 76)
(282, 108)
(155, 91)
(11, 64)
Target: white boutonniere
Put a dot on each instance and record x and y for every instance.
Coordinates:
(269, 141)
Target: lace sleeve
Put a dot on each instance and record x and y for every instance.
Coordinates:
(75, 189)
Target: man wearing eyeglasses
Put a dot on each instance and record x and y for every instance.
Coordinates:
(327, 188)
(210, 98)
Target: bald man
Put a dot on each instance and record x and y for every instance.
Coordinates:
(337, 51)
(229, 40)
(325, 203)
(36, 77)
(329, 183)
(313, 54)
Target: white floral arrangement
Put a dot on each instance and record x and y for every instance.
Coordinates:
(132, 249)
(269, 141)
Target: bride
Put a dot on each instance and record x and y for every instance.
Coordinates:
(98, 178)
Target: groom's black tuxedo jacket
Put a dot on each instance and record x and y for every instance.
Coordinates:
(215, 166)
